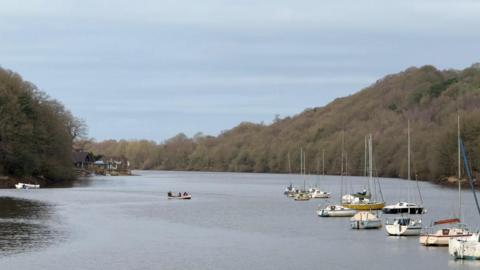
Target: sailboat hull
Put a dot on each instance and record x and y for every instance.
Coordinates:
(468, 249)
(364, 206)
(403, 230)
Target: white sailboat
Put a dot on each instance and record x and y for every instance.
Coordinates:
(442, 236)
(290, 190)
(336, 210)
(404, 226)
(365, 220)
(406, 207)
(468, 248)
(302, 195)
(364, 203)
(315, 192)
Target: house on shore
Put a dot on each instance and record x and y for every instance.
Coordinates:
(112, 166)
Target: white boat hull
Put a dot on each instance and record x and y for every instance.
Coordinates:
(439, 240)
(468, 249)
(366, 224)
(403, 230)
(26, 186)
(336, 211)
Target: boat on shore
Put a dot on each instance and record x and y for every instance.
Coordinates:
(404, 226)
(26, 186)
(180, 196)
(365, 220)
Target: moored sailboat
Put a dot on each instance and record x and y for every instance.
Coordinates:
(468, 248)
(407, 207)
(335, 211)
(365, 220)
(404, 226)
(363, 203)
(442, 236)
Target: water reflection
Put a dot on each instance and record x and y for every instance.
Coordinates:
(25, 225)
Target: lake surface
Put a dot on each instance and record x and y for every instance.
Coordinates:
(234, 221)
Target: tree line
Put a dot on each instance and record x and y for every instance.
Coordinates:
(36, 132)
(429, 98)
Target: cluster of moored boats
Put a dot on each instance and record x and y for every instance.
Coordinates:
(364, 208)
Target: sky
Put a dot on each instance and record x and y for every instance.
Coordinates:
(152, 69)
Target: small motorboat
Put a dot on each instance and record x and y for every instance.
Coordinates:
(26, 186)
(365, 220)
(404, 208)
(404, 226)
(335, 211)
(180, 196)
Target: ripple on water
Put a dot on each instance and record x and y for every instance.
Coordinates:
(26, 225)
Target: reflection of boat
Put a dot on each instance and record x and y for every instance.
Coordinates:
(365, 220)
(335, 211)
(468, 248)
(443, 235)
(404, 226)
(403, 208)
(26, 186)
(180, 196)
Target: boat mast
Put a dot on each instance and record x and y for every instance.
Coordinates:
(459, 170)
(365, 171)
(323, 162)
(408, 170)
(341, 166)
(370, 162)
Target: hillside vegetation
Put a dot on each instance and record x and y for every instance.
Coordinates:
(430, 98)
(36, 132)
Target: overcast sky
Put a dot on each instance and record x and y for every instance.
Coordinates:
(152, 69)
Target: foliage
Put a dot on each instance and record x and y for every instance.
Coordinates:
(428, 97)
(36, 132)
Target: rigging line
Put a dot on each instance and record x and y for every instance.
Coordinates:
(469, 174)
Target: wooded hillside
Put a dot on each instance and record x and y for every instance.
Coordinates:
(430, 98)
(36, 132)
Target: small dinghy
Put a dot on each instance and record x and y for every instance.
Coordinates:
(180, 196)
(26, 186)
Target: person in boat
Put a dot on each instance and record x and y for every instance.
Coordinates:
(185, 194)
(170, 194)
(179, 194)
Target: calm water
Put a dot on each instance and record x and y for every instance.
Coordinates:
(235, 221)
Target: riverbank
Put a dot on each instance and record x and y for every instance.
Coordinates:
(10, 181)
